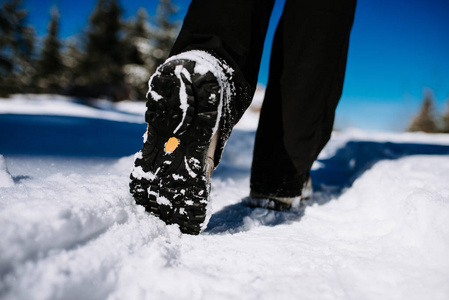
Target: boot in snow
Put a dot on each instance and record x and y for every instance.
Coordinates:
(171, 175)
(279, 203)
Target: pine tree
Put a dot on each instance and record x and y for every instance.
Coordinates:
(137, 37)
(71, 58)
(149, 45)
(446, 118)
(50, 67)
(101, 68)
(16, 49)
(425, 120)
(139, 59)
(166, 32)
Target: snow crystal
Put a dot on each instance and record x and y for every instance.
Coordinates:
(163, 201)
(182, 96)
(156, 97)
(139, 173)
(191, 173)
(201, 69)
(178, 177)
(195, 162)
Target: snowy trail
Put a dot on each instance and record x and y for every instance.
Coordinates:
(79, 236)
(377, 228)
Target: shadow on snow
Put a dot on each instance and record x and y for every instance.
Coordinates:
(41, 135)
(329, 181)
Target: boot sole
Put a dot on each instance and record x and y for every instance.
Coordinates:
(170, 175)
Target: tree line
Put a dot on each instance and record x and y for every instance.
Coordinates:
(113, 58)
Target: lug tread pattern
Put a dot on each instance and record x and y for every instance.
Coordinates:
(177, 191)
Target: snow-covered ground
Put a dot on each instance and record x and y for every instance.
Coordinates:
(376, 228)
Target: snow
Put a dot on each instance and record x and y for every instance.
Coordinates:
(64, 106)
(5, 178)
(189, 170)
(182, 93)
(377, 226)
(155, 96)
(139, 173)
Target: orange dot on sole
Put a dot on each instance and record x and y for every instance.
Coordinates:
(171, 144)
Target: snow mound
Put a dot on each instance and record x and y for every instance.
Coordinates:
(62, 234)
(389, 232)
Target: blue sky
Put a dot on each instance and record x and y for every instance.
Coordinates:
(398, 49)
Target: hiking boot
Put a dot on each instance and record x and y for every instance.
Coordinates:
(171, 175)
(279, 203)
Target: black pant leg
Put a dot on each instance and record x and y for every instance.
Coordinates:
(273, 172)
(234, 31)
(304, 87)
